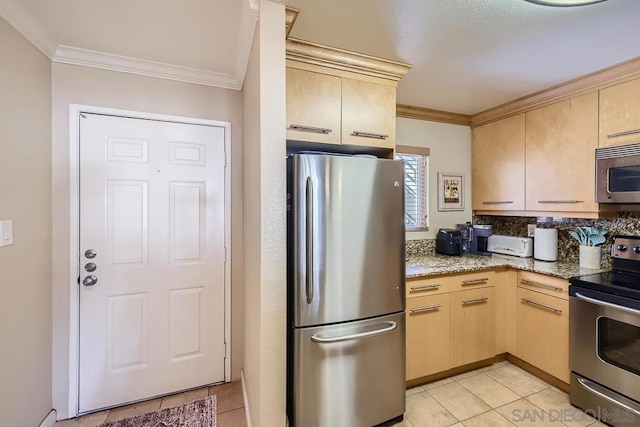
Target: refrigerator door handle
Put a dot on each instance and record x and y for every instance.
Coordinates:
(391, 326)
(309, 240)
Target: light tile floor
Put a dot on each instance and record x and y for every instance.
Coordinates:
(230, 407)
(498, 395)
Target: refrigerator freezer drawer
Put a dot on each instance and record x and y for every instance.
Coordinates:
(351, 374)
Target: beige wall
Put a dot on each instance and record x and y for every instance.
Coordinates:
(93, 87)
(450, 152)
(25, 197)
(265, 221)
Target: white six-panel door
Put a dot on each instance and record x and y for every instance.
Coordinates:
(152, 210)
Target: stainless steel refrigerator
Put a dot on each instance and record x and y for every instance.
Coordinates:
(346, 291)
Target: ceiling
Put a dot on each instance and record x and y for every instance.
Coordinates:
(471, 55)
(467, 55)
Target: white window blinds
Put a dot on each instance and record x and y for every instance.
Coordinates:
(416, 187)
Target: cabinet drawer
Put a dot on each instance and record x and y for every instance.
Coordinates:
(427, 286)
(543, 332)
(461, 282)
(427, 339)
(548, 285)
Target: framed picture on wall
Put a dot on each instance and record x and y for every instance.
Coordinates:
(450, 191)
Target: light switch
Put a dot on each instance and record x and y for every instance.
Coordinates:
(6, 233)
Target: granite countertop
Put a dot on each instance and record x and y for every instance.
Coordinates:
(435, 264)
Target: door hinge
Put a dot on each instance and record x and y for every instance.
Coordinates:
(225, 350)
(225, 159)
(225, 254)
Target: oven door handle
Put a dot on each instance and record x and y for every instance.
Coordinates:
(607, 304)
(592, 388)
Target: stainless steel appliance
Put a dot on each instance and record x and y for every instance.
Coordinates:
(346, 291)
(449, 242)
(618, 174)
(465, 230)
(604, 338)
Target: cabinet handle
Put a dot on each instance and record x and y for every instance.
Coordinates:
(544, 285)
(425, 308)
(629, 132)
(541, 305)
(311, 129)
(475, 300)
(425, 287)
(497, 202)
(369, 135)
(474, 281)
(560, 201)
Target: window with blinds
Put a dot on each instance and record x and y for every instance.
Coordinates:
(416, 187)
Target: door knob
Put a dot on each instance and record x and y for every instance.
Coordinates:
(90, 280)
(90, 253)
(90, 266)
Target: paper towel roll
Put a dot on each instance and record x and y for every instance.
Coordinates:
(545, 244)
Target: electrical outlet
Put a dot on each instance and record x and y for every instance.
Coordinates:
(531, 230)
(6, 233)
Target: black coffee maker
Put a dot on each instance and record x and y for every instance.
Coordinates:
(475, 238)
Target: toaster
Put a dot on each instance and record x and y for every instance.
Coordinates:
(449, 242)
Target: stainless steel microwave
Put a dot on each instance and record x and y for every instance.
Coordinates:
(618, 174)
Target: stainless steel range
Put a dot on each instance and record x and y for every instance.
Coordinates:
(604, 334)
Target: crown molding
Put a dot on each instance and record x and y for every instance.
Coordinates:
(249, 16)
(124, 64)
(331, 57)
(601, 79)
(420, 113)
(290, 16)
(16, 15)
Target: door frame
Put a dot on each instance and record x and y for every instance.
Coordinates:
(74, 232)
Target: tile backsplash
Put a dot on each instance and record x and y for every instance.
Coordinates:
(627, 223)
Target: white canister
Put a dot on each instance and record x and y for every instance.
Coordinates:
(545, 244)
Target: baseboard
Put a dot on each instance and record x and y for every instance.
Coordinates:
(550, 379)
(49, 420)
(246, 400)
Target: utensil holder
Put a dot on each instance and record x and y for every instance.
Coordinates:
(590, 256)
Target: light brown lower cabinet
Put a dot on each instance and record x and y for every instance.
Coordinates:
(543, 332)
(472, 328)
(427, 338)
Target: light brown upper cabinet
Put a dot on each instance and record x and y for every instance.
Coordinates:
(620, 114)
(314, 102)
(339, 110)
(498, 165)
(560, 156)
(341, 97)
(368, 113)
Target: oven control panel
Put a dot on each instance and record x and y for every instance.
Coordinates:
(626, 247)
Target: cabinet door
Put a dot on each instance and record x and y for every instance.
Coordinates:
(560, 156)
(505, 300)
(498, 165)
(368, 114)
(313, 106)
(427, 335)
(543, 332)
(620, 113)
(472, 336)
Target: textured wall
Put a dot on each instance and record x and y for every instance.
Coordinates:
(25, 197)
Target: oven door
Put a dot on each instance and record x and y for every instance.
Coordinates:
(617, 178)
(604, 340)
